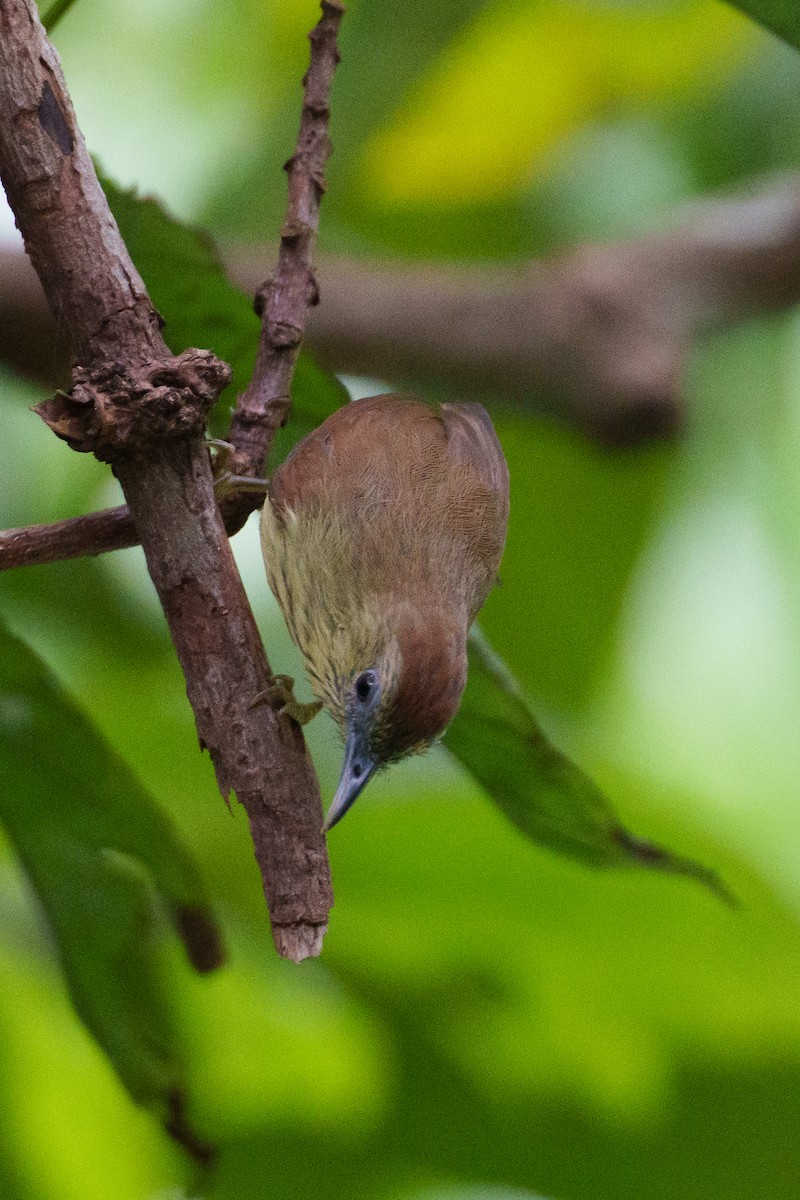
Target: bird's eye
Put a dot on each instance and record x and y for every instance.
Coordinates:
(365, 686)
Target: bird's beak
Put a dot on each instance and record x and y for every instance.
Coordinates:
(358, 768)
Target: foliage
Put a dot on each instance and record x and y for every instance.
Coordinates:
(548, 797)
(781, 16)
(102, 858)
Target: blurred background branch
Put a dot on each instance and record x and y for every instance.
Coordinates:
(598, 336)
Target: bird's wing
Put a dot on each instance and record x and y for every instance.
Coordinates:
(361, 448)
(422, 485)
(472, 443)
(478, 495)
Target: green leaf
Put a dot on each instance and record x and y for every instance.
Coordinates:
(781, 16)
(543, 793)
(479, 1193)
(187, 283)
(364, 94)
(103, 859)
(55, 12)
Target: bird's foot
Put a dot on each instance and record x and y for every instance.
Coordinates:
(280, 694)
(225, 482)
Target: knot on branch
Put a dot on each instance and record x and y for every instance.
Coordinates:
(120, 409)
(281, 295)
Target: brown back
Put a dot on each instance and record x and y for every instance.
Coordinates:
(424, 489)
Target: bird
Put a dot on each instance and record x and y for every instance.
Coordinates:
(382, 534)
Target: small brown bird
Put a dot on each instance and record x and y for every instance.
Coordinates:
(382, 536)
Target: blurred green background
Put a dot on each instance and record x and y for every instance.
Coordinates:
(487, 1021)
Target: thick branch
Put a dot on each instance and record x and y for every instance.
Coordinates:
(598, 336)
(256, 754)
(136, 405)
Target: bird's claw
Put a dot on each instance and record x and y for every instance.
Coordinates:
(280, 694)
(225, 482)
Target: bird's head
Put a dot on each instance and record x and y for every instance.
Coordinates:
(399, 678)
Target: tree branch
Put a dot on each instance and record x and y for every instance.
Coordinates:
(282, 300)
(139, 407)
(598, 336)
(96, 533)
(284, 297)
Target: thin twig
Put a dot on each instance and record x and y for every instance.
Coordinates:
(110, 529)
(136, 405)
(79, 537)
(283, 299)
